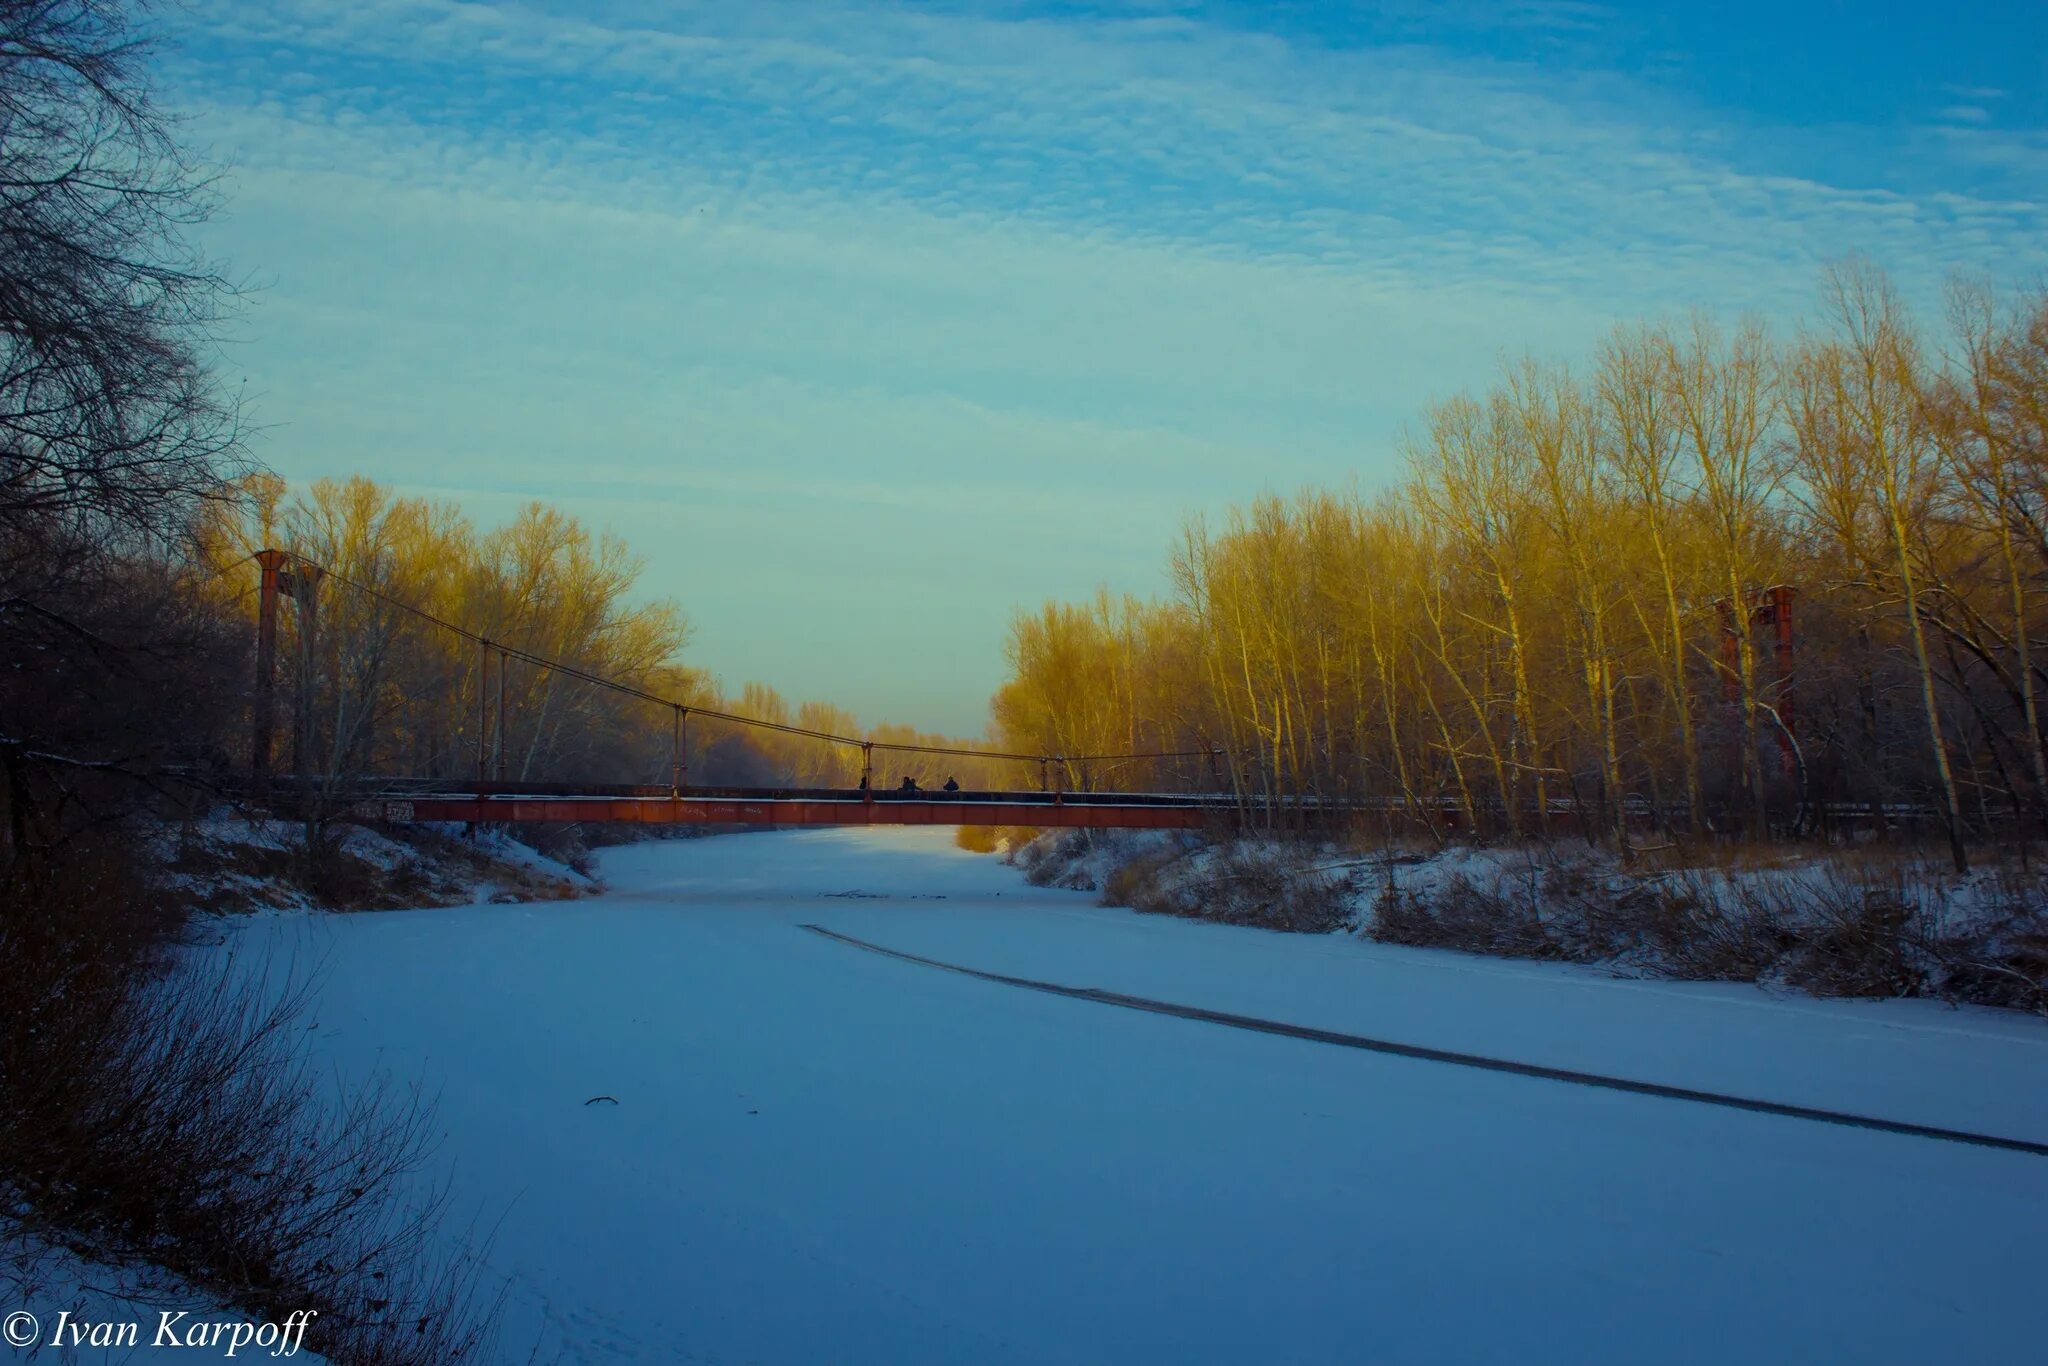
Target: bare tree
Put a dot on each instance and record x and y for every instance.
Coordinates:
(112, 428)
(1869, 460)
(108, 411)
(1983, 427)
(1643, 449)
(1473, 477)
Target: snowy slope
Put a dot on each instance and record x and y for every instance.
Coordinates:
(85, 1312)
(819, 1154)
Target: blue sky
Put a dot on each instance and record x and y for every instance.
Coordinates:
(867, 323)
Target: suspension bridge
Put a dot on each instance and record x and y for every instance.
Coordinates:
(489, 797)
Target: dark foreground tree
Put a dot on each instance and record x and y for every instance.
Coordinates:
(113, 430)
(152, 1110)
(108, 412)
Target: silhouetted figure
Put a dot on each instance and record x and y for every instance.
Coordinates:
(863, 783)
(909, 785)
(952, 786)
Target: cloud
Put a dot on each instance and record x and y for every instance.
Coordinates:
(990, 298)
(1200, 137)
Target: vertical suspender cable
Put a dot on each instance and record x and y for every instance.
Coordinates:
(483, 710)
(503, 666)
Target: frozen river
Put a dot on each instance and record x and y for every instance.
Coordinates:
(822, 1155)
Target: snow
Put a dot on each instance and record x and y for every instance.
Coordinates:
(823, 1154)
(226, 825)
(377, 850)
(507, 850)
(77, 1302)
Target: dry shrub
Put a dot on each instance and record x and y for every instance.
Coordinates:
(1276, 887)
(1705, 928)
(335, 877)
(2001, 959)
(1010, 840)
(1137, 883)
(1059, 858)
(160, 1109)
(1841, 929)
(1463, 914)
(230, 875)
(566, 843)
(1839, 926)
(1862, 937)
(1590, 912)
(1270, 884)
(978, 839)
(1558, 905)
(425, 867)
(1403, 916)
(1846, 926)
(1568, 905)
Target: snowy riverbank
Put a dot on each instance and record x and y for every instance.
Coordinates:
(818, 1153)
(1841, 921)
(230, 862)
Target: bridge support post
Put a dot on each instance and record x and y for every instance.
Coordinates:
(300, 581)
(679, 751)
(867, 770)
(271, 562)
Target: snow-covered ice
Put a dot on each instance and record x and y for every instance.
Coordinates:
(823, 1155)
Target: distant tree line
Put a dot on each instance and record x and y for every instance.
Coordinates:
(371, 681)
(1568, 615)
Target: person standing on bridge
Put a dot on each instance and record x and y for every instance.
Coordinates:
(952, 786)
(909, 785)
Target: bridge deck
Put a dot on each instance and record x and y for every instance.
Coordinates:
(406, 802)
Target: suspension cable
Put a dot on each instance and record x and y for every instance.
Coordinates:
(780, 727)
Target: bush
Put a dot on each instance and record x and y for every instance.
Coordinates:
(1275, 886)
(1834, 927)
(1006, 840)
(1060, 858)
(564, 842)
(1704, 927)
(1861, 938)
(1266, 883)
(159, 1110)
(1464, 914)
(2001, 957)
(1139, 883)
(1557, 905)
(978, 839)
(1839, 926)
